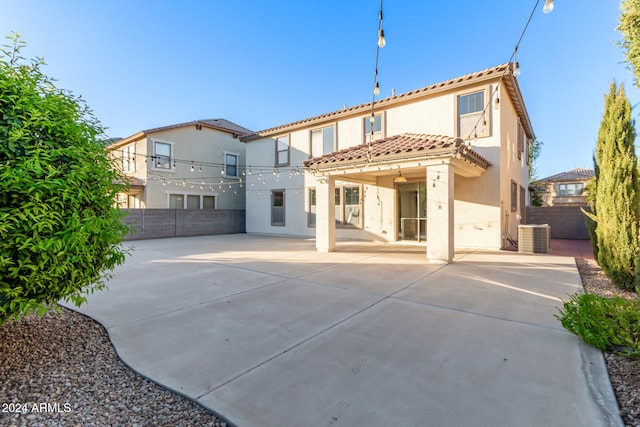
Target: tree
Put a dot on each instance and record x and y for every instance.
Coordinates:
(616, 203)
(629, 26)
(60, 231)
(535, 148)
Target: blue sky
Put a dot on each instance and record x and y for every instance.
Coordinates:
(143, 64)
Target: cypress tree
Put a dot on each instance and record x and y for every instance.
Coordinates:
(617, 198)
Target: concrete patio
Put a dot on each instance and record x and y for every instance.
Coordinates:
(265, 331)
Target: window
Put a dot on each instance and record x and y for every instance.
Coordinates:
(277, 207)
(572, 189)
(191, 201)
(311, 216)
(322, 141)
(208, 202)
(129, 158)
(351, 206)
(523, 208)
(230, 164)
(514, 196)
(520, 148)
(176, 201)
(162, 155)
(375, 128)
(282, 151)
(471, 116)
(348, 207)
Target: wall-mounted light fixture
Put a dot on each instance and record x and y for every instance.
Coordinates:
(400, 179)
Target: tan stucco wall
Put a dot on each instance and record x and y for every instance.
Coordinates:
(478, 217)
(206, 145)
(512, 168)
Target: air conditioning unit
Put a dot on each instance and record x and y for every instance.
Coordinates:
(534, 239)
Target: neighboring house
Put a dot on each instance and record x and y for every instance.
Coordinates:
(566, 188)
(446, 164)
(194, 165)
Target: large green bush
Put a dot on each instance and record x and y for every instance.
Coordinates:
(60, 231)
(607, 324)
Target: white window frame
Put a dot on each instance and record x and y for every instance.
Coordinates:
(321, 129)
(562, 192)
(284, 207)
(366, 136)
(171, 156)
(128, 157)
(186, 194)
(481, 131)
(224, 160)
(278, 163)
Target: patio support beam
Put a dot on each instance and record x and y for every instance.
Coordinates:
(326, 214)
(440, 227)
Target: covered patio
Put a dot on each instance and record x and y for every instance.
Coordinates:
(433, 159)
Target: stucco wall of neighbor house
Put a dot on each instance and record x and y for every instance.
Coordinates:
(193, 145)
(551, 196)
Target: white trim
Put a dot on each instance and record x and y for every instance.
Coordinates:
(184, 195)
(171, 156)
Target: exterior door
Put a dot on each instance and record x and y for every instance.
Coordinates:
(412, 211)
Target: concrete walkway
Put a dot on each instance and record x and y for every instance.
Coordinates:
(266, 331)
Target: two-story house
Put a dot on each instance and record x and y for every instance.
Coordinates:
(193, 165)
(446, 164)
(565, 188)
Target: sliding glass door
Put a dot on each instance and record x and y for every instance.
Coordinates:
(412, 211)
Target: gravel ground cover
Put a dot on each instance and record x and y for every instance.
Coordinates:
(624, 372)
(61, 370)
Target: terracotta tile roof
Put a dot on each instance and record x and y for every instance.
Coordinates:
(405, 146)
(503, 70)
(577, 174)
(219, 124)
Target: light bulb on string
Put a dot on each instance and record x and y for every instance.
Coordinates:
(548, 6)
(382, 42)
(376, 89)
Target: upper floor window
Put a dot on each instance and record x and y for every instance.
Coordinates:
(472, 119)
(162, 155)
(129, 158)
(230, 164)
(521, 139)
(572, 189)
(372, 128)
(322, 141)
(282, 151)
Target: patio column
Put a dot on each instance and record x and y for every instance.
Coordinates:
(325, 214)
(440, 238)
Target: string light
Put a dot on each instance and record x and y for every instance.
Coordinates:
(514, 66)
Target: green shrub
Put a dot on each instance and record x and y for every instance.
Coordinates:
(60, 231)
(607, 324)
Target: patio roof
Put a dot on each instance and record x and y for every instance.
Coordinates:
(408, 146)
